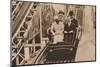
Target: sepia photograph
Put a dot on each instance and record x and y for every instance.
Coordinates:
(52, 33)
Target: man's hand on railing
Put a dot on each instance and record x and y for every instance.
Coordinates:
(69, 31)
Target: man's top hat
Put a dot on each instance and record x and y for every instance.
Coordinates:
(71, 13)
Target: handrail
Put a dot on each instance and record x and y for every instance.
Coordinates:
(40, 55)
(16, 7)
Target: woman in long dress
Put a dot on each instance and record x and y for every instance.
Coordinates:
(57, 29)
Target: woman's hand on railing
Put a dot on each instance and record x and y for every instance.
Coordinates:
(65, 32)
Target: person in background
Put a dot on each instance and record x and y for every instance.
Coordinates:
(73, 19)
(76, 23)
(57, 29)
(69, 29)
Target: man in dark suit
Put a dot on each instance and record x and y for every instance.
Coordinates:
(73, 20)
(69, 30)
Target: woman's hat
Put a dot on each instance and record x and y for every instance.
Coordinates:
(61, 12)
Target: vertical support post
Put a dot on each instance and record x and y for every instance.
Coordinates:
(65, 10)
(76, 10)
(17, 58)
(26, 51)
(33, 43)
(40, 22)
(34, 48)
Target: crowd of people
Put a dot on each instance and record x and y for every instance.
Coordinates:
(62, 29)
